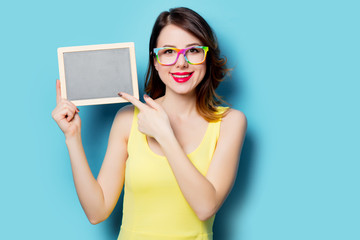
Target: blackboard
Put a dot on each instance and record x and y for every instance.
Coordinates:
(94, 74)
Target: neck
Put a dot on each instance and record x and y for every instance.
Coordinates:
(179, 105)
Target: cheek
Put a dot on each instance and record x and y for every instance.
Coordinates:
(202, 73)
(200, 77)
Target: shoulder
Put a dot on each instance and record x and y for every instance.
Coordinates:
(234, 115)
(123, 120)
(125, 113)
(234, 121)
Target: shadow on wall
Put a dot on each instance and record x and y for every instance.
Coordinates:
(223, 227)
(232, 91)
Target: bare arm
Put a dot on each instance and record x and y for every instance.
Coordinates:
(205, 194)
(97, 197)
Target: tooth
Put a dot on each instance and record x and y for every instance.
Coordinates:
(182, 76)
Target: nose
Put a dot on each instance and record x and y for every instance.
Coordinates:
(181, 62)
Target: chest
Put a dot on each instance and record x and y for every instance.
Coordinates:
(189, 135)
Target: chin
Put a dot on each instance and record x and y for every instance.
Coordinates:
(183, 90)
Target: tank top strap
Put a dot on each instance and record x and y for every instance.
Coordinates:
(202, 156)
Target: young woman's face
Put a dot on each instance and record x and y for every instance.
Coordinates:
(181, 77)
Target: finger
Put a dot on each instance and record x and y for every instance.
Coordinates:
(133, 100)
(58, 91)
(66, 103)
(152, 103)
(70, 116)
(63, 113)
(76, 117)
(72, 106)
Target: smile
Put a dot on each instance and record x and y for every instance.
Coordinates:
(182, 77)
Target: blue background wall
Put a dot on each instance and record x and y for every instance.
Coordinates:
(296, 77)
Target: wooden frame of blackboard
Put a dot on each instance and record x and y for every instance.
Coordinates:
(87, 49)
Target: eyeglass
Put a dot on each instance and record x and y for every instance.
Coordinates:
(168, 56)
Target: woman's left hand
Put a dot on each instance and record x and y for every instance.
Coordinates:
(152, 119)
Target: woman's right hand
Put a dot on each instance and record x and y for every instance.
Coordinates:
(66, 115)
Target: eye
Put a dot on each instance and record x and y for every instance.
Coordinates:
(169, 51)
(194, 50)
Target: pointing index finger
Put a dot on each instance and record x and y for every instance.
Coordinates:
(136, 102)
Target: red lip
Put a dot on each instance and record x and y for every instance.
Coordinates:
(182, 79)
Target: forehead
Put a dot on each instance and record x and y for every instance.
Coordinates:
(172, 35)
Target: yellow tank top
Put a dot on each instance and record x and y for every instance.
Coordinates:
(154, 207)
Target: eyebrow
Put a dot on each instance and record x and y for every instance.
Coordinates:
(189, 45)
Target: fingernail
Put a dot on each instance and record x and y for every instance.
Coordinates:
(120, 94)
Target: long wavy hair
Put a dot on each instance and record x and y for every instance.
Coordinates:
(207, 99)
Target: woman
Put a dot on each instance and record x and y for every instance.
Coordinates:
(177, 153)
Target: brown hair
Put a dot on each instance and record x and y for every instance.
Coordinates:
(206, 97)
